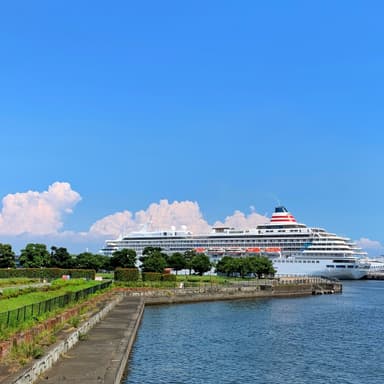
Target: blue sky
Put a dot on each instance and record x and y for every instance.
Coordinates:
(227, 104)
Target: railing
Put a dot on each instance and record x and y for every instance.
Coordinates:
(281, 280)
(304, 280)
(32, 311)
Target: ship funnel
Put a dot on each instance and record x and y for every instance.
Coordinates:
(281, 215)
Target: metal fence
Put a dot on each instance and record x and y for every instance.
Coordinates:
(33, 311)
(230, 282)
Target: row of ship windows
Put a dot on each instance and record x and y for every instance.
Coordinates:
(213, 244)
(342, 266)
(297, 261)
(219, 243)
(283, 230)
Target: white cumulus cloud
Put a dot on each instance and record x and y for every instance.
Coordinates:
(157, 216)
(242, 221)
(369, 244)
(164, 215)
(37, 212)
(39, 216)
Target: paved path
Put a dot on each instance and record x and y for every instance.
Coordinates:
(101, 356)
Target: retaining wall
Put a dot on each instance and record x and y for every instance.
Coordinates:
(31, 374)
(188, 295)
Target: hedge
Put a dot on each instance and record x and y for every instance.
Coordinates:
(151, 276)
(168, 277)
(47, 273)
(126, 274)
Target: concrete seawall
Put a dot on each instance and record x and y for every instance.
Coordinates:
(375, 276)
(214, 293)
(101, 355)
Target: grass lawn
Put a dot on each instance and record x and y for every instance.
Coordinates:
(187, 280)
(105, 276)
(24, 311)
(214, 279)
(14, 281)
(36, 297)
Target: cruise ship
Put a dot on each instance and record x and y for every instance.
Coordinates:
(294, 248)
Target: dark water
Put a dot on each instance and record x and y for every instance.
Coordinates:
(317, 339)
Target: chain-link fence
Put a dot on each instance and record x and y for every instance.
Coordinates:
(31, 311)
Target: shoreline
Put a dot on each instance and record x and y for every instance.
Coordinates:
(246, 291)
(52, 365)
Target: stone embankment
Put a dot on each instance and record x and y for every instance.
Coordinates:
(272, 288)
(100, 355)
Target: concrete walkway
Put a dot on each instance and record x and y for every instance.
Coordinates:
(102, 355)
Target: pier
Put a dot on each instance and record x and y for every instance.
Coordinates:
(375, 276)
(99, 356)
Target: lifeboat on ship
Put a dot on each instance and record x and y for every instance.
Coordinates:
(253, 250)
(272, 250)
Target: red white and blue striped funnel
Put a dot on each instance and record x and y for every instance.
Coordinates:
(281, 215)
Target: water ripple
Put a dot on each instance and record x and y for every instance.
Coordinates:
(322, 339)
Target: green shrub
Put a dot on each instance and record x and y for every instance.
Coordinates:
(75, 321)
(168, 277)
(194, 279)
(46, 273)
(151, 276)
(127, 274)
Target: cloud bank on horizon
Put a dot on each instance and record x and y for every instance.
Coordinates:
(41, 215)
(38, 213)
(165, 215)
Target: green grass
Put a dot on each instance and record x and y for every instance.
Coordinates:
(36, 297)
(23, 312)
(14, 281)
(187, 280)
(106, 276)
(206, 279)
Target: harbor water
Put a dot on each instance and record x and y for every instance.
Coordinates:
(315, 339)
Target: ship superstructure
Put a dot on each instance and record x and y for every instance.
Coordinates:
(294, 248)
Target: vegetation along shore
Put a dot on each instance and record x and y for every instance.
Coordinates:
(41, 302)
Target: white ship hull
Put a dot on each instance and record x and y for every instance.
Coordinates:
(326, 268)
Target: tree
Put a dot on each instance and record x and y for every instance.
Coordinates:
(148, 251)
(189, 255)
(7, 256)
(34, 256)
(233, 266)
(123, 258)
(105, 262)
(200, 263)
(262, 265)
(244, 267)
(177, 261)
(88, 260)
(154, 263)
(153, 260)
(257, 265)
(225, 265)
(61, 258)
